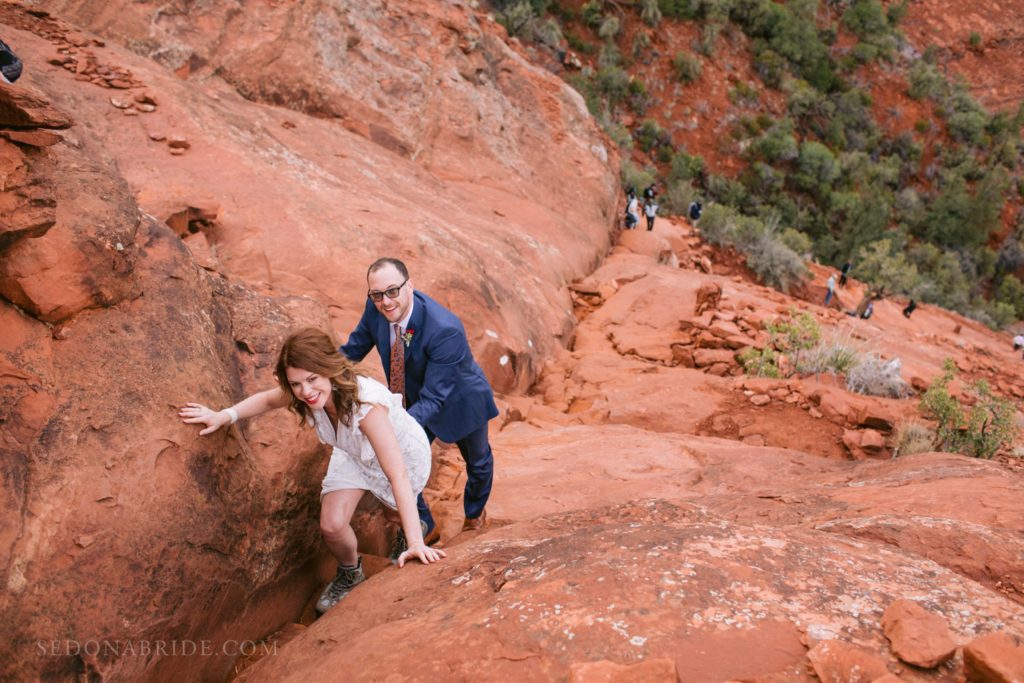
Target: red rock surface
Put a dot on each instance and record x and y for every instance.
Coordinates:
(916, 635)
(994, 658)
(647, 516)
(838, 662)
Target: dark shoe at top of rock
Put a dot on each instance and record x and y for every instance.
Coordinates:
(475, 523)
(400, 544)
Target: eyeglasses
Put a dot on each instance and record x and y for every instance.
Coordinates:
(390, 292)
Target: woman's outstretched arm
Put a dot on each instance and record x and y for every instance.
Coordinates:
(257, 404)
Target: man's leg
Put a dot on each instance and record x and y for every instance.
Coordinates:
(421, 504)
(476, 451)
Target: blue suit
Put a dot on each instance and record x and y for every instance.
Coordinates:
(446, 391)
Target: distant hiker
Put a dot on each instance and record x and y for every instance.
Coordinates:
(830, 288)
(377, 447)
(650, 192)
(632, 210)
(842, 274)
(910, 308)
(10, 65)
(694, 211)
(868, 310)
(1018, 342)
(861, 307)
(650, 211)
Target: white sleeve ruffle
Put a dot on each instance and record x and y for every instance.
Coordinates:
(371, 394)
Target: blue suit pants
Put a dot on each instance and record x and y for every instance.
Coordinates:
(476, 451)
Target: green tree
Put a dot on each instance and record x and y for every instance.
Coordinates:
(883, 269)
(979, 431)
(817, 168)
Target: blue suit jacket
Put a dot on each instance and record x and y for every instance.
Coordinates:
(445, 389)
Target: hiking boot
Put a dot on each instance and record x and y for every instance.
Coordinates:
(345, 580)
(475, 523)
(400, 544)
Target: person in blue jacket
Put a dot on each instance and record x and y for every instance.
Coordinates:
(426, 358)
(10, 65)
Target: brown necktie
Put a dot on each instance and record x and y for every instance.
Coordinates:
(396, 382)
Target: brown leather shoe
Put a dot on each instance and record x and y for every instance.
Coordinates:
(433, 537)
(475, 523)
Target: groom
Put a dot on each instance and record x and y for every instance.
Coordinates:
(427, 359)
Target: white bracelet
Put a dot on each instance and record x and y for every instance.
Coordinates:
(233, 414)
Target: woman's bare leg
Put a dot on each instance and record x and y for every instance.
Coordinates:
(336, 510)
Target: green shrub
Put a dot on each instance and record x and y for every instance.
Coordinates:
(1011, 292)
(727, 191)
(613, 83)
(795, 335)
(958, 217)
(896, 12)
(592, 13)
(650, 12)
(806, 104)
(609, 27)
(817, 168)
(639, 98)
(516, 17)
(650, 136)
(763, 363)
(619, 134)
(686, 66)
(609, 56)
(635, 177)
(968, 126)
(775, 264)
(864, 53)
(866, 18)
(708, 37)
(641, 43)
(764, 181)
(677, 197)
(926, 82)
(791, 31)
(862, 218)
(678, 9)
(979, 431)
(884, 268)
(776, 144)
(685, 167)
(974, 40)
(744, 94)
(770, 66)
(797, 241)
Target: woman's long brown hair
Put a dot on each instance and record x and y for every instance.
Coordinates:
(313, 350)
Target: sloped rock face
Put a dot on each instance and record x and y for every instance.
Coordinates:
(642, 580)
(411, 130)
(119, 526)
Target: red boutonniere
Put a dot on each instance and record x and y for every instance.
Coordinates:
(407, 337)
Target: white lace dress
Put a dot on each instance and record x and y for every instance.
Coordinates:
(354, 463)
